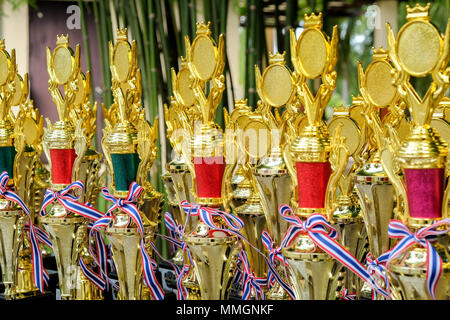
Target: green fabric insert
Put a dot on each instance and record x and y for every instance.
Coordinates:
(125, 169)
(7, 155)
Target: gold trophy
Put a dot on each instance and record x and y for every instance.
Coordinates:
(20, 151)
(276, 89)
(180, 118)
(375, 191)
(417, 164)
(341, 201)
(312, 271)
(252, 142)
(214, 253)
(129, 146)
(65, 144)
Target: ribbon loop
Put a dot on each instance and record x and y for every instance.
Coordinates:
(425, 237)
(324, 236)
(129, 206)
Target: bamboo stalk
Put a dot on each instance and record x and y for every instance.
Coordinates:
(291, 17)
(165, 50)
(251, 53)
(193, 16)
(103, 57)
(184, 22)
(104, 44)
(87, 52)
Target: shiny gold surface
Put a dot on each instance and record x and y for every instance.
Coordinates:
(214, 263)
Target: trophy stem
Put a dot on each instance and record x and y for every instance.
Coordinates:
(214, 262)
(125, 245)
(312, 272)
(8, 250)
(376, 196)
(62, 233)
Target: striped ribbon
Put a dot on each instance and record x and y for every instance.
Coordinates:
(274, 256)
(70, 201)
(128, 206)
(177, 231)
(36, 235)
(206, 214)
(346, 295)
(235, 225)
(251, 283)
(424, 237)
(377, 269)
(324, 236)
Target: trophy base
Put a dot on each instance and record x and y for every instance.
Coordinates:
(312, 272)
(407, 275)
(214, 264)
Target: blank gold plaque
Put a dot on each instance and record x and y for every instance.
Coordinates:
(277, 85)
(30, 131)
(256, 133)
(121, 60)
(18, 86)
(4, 66)
(203, 55)
(312, 52)
(418, 47)
(349, 130)
(184, 83)
(378, 81)
(62, 64)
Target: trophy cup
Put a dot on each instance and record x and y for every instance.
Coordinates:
(421, 158)
(65, 143)
(214, 253)
(129, 147)
(311, 270)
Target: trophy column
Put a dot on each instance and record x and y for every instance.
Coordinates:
(311, 270)
(129, 147)
(214, 253)
(65, 144)
(419, 271)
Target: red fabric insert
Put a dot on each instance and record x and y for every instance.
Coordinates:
(62, 164)
(209, 176)
(425, 190)
(312, 178)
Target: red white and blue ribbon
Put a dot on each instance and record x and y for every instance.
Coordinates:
(70, 201)
(176, 239)
(424, 237)
(251, 283)
(36, 235)
(274, 256)
(324, 236)
(128, 206)
(377, 269)
(207, 214)
(346, 295)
